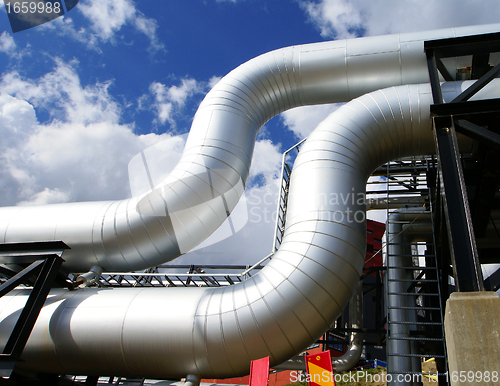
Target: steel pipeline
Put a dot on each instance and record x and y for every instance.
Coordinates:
(215, 332)
(196, 198)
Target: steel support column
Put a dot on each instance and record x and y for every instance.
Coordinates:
(456, 208)
(462, 242)
(44, 259)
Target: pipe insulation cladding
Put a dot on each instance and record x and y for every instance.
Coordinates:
(198, 195)
(214, 332)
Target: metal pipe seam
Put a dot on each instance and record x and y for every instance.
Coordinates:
(216, 332)
(196, 198)
(349, 359)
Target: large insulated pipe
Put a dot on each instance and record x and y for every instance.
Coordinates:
(194, 200)
(215, 332)
(355, 347)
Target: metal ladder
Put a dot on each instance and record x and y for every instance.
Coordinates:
(415, 329)
(286, 172)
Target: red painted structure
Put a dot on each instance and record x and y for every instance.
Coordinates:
(259, 372)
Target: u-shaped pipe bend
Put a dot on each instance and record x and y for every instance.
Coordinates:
(196, 198)
(215, 332)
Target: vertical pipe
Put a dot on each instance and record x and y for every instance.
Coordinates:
(355, 349)
(192, 380)
(398, 257)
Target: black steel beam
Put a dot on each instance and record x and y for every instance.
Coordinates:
(7, 272)
(489, 255)
(382, 171)
(480, 65)
(444, 71)
(33, 246)
(44, 259)
(361, 330)
(464, 254)
(468, 108)
(484, 200)
(344, 343)
(422, 192)
(204, 266)
(441, 247)
(21, 277)
(437, 95)
(478, 85)
(22, 258)
(465, 45)
(488, 137)
(27, 319)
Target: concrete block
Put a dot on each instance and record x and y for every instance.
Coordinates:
(472, 330)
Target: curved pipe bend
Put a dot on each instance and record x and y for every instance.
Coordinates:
(348, 360)
(355, 348)
(196, 198)
(216, 332)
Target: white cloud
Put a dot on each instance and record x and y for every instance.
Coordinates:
(168, 101)
(303, 120)
(81, 153)
(47, 196)
(82, 150)
(61, 93)
(106, 19)
(66, 26)
(334, 18)
(148, 27)
(179, 94)
(342, 19)
(266, 162)
(213, 81)
(250, 244)
(7, 44)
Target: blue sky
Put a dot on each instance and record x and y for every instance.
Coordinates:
(83, 94)
(185, 40)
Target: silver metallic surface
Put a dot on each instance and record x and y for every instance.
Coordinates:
(195, 199)
(355, 348)
(215, 332)
(89, 277)
(192, 380)
(400, 237)
(351, 357)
